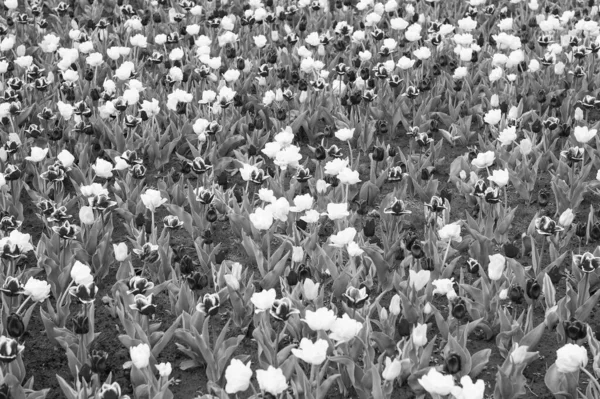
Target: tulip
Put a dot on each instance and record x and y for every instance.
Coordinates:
(450, 232)
(261, 219)
(570, 358)
(436, 383)
(500, 177)
(496, 266)
(282, 309)
(337, 211)
(394, 307)
(38, 290)
(469, 390)
(452, 363)
(237, 376)
(263, 300)
(15, 326)
(355, 297)
(86, 215)
(164, 369)
(209, 304)
(344, 329)
(575, 330)
(310, 289)
(9, 349)
(419, 280)
(271, 380)
(152, 199)
(566, 218)
(140, 355)
(81, 274)
(419, 335)
(312, 353)
(392, 370)
(37, 154)
(320, 320)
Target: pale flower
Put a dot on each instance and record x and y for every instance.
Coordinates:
(344, 329)
(320, 320)
(312, 353)
(152, 199)
(437, 383)
(500, 177)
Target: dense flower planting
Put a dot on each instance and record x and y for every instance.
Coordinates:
(299, 199)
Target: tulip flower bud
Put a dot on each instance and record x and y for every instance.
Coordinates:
(15, 326)
(394, 307)
(383, 314)
(121, 251)
(566, 218)
(86, 215)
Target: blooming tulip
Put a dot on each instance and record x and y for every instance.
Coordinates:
(312, 353)
(570, 358)
(271, 380)
(140, 355)
(237, 376)
(437, 383)
(152, 199)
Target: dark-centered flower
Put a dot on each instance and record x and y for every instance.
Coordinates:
(547, 227)
(9, 349)
(143, 304)
(397, 208)
(587, 262)
(209, 305)
(356, 297)
(282, 309)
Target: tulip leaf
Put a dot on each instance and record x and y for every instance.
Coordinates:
(478, 362)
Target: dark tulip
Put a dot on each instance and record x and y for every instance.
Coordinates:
(209, 305)
(452, 364)
(533, 289)
(304, 272)
(536, 127)
(459, 308)
(140, 220)
(282, 309)
(292, 278)
(301, 225)
(81, 324)
(369, 228)
(220, 256)
(378, 154)
(510, 250)
(473, 266)
(355, 297)
(207, 237)
(515, 294)
(211, 214)
(15, 326)
(85, 373)
(186, 265)
(197, 281)
(12, 287)
(98, 361)
(403, 328)
(416, 250)
(9, 349)
(581, 230)
(575, 330)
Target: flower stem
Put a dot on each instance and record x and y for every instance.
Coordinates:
(23, 305)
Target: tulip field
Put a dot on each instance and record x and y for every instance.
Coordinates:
(300, 199)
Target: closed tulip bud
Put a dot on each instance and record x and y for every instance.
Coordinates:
(394, 307)
(459, 308)
(453, 364)
(403, 328)
(533, 289)
(15, 326)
